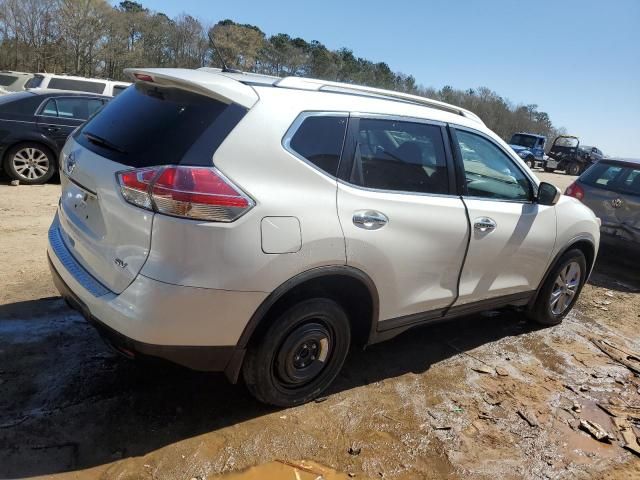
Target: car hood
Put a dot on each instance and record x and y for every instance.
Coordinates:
(518, 148)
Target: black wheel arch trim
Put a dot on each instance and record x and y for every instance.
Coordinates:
(301, 278)
(232, 371)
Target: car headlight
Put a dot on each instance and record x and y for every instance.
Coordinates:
(523, 154)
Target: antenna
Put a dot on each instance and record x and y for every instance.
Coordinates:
(224, 64)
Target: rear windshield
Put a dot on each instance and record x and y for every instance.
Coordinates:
(146, 125)
(76, 85)
(617, 177)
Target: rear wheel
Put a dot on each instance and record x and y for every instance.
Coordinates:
(30, 163)
(299, 355)
(573, 169)
(561, 289)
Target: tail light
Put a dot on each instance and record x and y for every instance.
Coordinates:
(190, 192)
(575, 190)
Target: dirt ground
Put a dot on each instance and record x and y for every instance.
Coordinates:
(487, 396)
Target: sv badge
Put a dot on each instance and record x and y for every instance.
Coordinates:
(120, 263)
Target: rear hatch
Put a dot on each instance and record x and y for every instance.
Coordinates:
(612, 191)
(172, 117)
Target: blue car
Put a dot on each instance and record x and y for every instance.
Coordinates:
(529, 147)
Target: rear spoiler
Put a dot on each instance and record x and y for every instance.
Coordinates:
(220, 87)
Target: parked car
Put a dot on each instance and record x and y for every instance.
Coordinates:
(14, 81)
(611, 188)
(100, 86)
(567, 154)
(593, 154)
(260, 226)
(34, 126)
(529, 147)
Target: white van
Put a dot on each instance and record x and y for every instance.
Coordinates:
(77, 84)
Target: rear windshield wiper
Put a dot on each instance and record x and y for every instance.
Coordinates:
(102, 142)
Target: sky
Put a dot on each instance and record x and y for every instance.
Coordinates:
(577, 60)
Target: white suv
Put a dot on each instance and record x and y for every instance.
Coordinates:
(102, 86)
(261, 226)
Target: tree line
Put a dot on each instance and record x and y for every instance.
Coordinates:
(94, 39)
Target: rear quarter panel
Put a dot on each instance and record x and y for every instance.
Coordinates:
(230, 256)
(575, 222)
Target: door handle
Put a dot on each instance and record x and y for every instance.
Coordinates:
(52, 129)
(484, 224)
(369, 219)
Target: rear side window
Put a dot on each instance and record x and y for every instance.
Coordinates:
(6, 80)
(319, 139)
(34, 82)
(50, 109)
(118, 89)
(399, 156)
(76, 85)
(146, 125)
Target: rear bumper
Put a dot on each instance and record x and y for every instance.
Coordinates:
(195, 327)
(197, 358)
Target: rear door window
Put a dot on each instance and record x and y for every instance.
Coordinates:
(76, 85)
(399, 156)
(319, 140)
(147, 125)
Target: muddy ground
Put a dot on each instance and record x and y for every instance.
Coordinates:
(487, 396)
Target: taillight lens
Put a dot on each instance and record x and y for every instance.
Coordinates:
(575, 190)
(190, 192)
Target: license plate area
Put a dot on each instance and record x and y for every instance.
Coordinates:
(82, 209)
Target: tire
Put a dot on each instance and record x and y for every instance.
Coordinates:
(30, 163)
(573, 169)
(549, 170)
(531, 163)
(282, 369)
(552, 304)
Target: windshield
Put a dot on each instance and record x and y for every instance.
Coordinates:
(528, 141)
(570, 142)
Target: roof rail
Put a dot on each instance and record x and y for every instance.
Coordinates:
(301, 83)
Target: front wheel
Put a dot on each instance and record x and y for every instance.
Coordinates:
(561, 289)
(299, 355)
(531, 163)
(30, 163)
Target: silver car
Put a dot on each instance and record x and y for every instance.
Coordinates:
(611, 188)
(261, 226)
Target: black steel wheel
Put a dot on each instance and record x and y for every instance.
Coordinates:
(299, 355)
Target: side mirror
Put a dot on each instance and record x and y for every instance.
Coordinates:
(548, 194)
